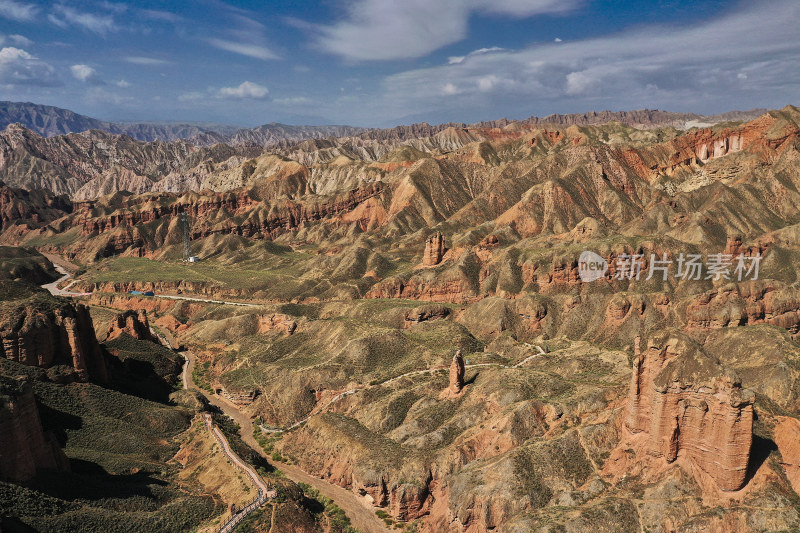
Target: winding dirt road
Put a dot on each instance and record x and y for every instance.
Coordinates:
(361, 514)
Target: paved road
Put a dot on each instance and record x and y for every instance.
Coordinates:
(361, 514)
(64, 268)
(53, 287)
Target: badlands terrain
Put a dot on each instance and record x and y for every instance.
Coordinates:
(418, 350)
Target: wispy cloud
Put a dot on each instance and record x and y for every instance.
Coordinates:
(244, 35)
(652, 66)
(20, 40)
(388, 29)
(64, 16)
(146, 61)
(246, 89)
(18, 11)
(18, 67)
(458, 59)
(243, 48)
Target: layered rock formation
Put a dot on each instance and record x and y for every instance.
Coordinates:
(688, 405)
(434, 250)
(134, 323)
(787, 438)
(66, 164)
(44, 331)
(24, 446)
(456, 383)
(31, 207)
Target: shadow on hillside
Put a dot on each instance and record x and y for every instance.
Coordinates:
(136, 376)
(760, 451)
(58, 422)
(14, 525)
(311, 505)
(89, 481)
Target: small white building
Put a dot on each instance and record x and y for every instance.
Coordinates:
(194, 259)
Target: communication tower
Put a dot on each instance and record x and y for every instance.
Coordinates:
(187, 252)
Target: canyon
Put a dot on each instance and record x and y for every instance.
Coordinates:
(418, 332)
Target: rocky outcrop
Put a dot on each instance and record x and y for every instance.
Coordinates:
(276, 322)
(131, 211)
(239, 398)
(33, 208)
(746, 303)
(424, 313)
(456, 384)
(786, 435)
(434, 250)
(117, 222)
(688, 405)
(24, 445)
(134, 323)
(45, 332)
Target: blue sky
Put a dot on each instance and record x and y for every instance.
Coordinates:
(387, 62)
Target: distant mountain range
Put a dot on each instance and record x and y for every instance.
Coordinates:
(49, 121)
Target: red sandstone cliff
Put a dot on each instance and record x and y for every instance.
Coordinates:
(24, 445)
(689, 405)
(46, 332)
(134, 323)
(434, 250)
(457, 369)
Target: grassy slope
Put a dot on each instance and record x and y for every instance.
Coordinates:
(120, 449)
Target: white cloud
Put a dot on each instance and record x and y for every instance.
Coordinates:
(18, 67)
(20, 40)
(652, 66)
(146, 61)
(388, 29)
(557, 40)
(85, 73)
(450, 89)
(243, 48)
(246, 89)
(64, 16)
(122, 84)
(19, 11)
(458, 59)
